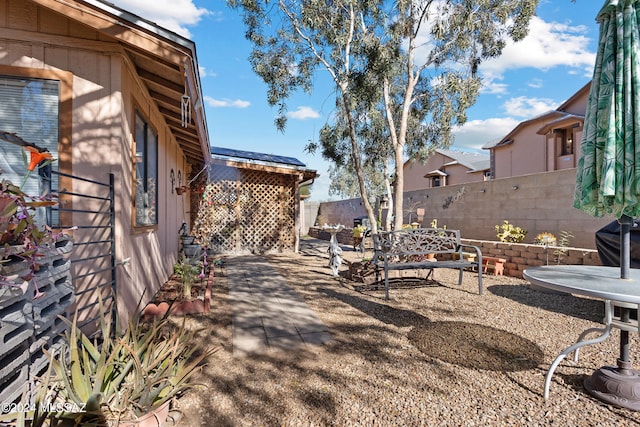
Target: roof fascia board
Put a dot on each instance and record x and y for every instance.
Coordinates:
(111, 23)
(259, 166)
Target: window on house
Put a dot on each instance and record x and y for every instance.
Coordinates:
(30, 109)
(567, 143)
(436, 181)
(565, 140)
(146, 200)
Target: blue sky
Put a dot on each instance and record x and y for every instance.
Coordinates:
(531, 77)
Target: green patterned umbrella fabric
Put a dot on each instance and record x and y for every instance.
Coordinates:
(608, 174)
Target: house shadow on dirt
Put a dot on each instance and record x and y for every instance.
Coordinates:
(581, 308)
(464, 344)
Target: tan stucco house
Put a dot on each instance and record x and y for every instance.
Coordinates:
(109, 94)
(545, 143)
(445, 167)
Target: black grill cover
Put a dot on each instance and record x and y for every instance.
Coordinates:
(608, 244)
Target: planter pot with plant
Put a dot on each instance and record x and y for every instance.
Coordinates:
(123, 378)
(176, 296)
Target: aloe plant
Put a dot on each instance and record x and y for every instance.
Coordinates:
(124, 377)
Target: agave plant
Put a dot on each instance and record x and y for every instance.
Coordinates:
(124, 377)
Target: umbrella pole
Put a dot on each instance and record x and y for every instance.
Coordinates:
(625, 222)
(619, 386)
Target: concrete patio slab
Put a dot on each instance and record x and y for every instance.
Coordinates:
(267, 313)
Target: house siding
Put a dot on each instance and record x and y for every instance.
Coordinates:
(529, 152)
(415, 171)
(106, 92)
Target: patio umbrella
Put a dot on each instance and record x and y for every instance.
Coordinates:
(608, 174)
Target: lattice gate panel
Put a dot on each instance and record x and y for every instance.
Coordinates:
(216, 217)
(247, 211)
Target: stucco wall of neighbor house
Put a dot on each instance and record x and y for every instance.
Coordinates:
(577, 105)
(106, 94)
(537, 202)
(414, 172)
(525, 155)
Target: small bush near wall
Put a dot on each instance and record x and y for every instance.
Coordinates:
(519, 256)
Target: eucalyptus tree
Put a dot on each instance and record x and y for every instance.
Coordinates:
(418, 57)
(374, 151)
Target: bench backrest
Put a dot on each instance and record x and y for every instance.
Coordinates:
(417, 241)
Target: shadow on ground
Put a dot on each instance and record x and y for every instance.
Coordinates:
(582, 308)
(460, 343)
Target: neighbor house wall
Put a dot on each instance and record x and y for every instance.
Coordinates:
(526, 154)
(415, 171)
(541, 203)
(105, 94)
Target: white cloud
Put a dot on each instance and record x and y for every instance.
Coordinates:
(303, 113)
(536, 83)
(528, 107)
(476, 133)
(490, 87)
(173, 15)
(224, 103)
(548, 45)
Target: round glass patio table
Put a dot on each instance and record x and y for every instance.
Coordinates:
(618, 385)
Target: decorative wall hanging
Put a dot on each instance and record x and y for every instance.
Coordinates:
(185, 103)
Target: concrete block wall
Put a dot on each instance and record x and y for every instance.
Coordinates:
(27, 324)
(520, 256)
(538, 203)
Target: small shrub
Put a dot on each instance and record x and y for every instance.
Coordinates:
(509, 233)
(187, 269)
(563, 245)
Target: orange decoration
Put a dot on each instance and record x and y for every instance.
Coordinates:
(36, 157)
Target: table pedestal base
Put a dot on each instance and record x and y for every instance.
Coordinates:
(618, 386)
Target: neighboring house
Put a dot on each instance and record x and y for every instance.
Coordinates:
(445, 167)
(108, 93)
(252, 202)
(545, 143)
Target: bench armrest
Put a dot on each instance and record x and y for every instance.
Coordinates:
(475, 248)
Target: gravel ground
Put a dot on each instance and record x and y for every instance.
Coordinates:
(438, 355)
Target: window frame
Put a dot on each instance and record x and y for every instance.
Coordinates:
(147, 131)
(65, 111)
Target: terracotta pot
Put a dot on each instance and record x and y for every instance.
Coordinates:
(155, 418)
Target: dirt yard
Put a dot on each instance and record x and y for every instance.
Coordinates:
(436, 355)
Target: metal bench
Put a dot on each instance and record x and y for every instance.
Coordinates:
(408, 249)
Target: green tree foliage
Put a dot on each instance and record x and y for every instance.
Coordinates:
(414, 61)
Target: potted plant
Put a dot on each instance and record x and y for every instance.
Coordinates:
(124, 378)
(176, 297)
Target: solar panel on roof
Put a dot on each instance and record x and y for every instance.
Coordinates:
(251, 155)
